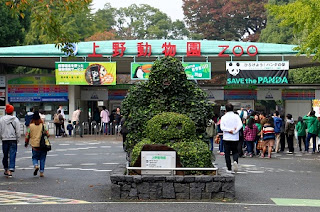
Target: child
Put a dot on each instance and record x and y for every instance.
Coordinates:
(268, 136)
(69, 127)
(250, 134)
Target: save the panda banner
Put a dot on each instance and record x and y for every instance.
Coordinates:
(257, 72)
(85, 73)
(194, 71)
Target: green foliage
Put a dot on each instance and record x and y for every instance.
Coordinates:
(11, 28)
(308, 75)
(167, 90)
(146, 22)
(303, 17)
(273, 33)
(170, 127)
(192, 153)
(137, 149)
(225, 19)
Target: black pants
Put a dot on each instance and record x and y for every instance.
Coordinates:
(282, 141)
(303, 138)
(58, 126)
(290, 143)
(230, 146)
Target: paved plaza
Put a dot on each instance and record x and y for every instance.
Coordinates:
(77, 179)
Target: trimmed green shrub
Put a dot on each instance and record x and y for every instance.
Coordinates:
(178, 132)
(137, 149)
(170, 127)
(167, 90)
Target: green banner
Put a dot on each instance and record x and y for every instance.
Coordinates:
(194, 71)
(85, 73)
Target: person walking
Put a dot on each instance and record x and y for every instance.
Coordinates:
(250, 134)
(231, 125)
(10, 135)
(105, 120)
(312, 125)
(277, 128)
(117, 119)
(301, 132)
(210, 130)
(33, 137)
(289, 131)
(28, 117)
(268, 136)
(76, 122)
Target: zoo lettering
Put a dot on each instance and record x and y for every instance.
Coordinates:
(192, 49)
(260, 80)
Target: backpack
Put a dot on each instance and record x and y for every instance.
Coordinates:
(56, 119)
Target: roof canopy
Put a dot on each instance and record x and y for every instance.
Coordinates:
(216, 52)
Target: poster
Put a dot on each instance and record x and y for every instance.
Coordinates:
(316, 106)
(194, 71)
(85, 73)
(257, 72)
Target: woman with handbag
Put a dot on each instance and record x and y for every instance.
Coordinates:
(33, 136)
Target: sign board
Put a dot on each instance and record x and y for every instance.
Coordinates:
(214, 94)
(257, 72)
(94, 95)
(158, 159)
(269, 94)
(86, 73)
(194, 71)
(316, 106)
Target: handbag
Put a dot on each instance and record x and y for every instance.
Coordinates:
(260, 144)
(44, 141)
(217, 139)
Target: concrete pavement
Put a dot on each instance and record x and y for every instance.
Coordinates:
(77, 179)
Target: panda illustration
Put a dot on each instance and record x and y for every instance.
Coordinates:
(139, 73)
(234, 68)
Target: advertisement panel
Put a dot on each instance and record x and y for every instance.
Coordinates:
(269, 94)
(36, 89)
(85, 73)
(257, 72)
(194, 71)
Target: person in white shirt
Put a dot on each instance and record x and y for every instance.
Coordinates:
(231, 125)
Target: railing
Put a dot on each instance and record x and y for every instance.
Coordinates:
(171, 169)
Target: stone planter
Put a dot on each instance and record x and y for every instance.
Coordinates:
(152, 187)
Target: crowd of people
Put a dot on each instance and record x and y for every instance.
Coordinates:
(248, 133)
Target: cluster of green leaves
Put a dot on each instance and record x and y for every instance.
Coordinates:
(275, 34)
(309, 75)
(167, 90)
(171, 127)
(303, 17)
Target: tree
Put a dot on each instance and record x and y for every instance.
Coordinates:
(225, 19)
(104, 18)
(308, 75)
(273, 33)
(102, 36)
(146, 22)
(12, 29)
(46, 17)
(303, 16)
(167, 90)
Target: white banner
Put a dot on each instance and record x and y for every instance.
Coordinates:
(258, 65)
(269, 94)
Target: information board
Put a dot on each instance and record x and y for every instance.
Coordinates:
(158, 159)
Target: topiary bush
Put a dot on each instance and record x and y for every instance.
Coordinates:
(178, 132)
(167, 90)
(170, 127)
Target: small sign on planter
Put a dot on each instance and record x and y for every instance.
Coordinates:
(158, 159)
